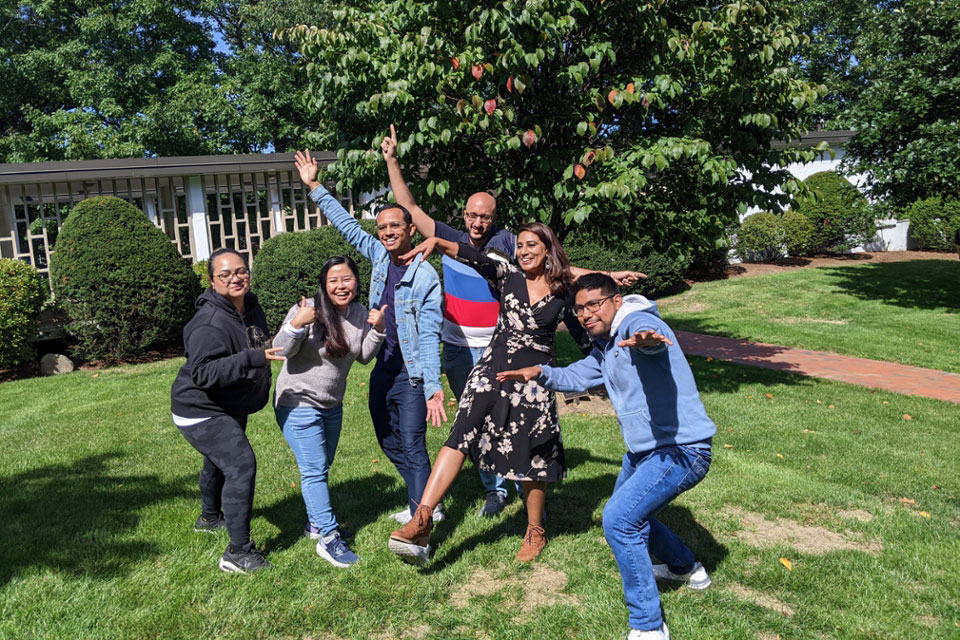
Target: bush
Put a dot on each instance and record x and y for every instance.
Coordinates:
(664, 270)
(840, 214)
(203, 273)
(797, 233)
(21, 295)
(933, 223)
(120, 280)
(760, 237)
(288, 265)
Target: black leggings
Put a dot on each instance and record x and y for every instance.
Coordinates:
(229, 472)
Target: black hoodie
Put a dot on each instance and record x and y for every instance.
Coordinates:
(226, 370)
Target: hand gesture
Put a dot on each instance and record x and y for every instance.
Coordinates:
(436, 415)
(272, 352)
(305, 315)
(389, 145)
(376, 318)
(308, 167)
(626, 278)
(645, 339)
(520, 375)
(424, 249)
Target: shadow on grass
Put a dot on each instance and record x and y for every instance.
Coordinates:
(356, 503)
(701, 542)
(915, 284)
(71, 518)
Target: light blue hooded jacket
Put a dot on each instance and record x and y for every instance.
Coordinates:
(417, 297)
(652, 390)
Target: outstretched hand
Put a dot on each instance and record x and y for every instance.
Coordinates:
(376, 319)
(307, 167)
(626, 278)
(424, 249)
(388, 146)
(271, 353)
(645, 339)
(436, 415)
(520, 375)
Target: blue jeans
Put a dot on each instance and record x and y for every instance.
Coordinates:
(313, 435)
(399, 413)
(647, 483)
(457, 363)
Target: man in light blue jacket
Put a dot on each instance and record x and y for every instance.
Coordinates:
(665, 427)
(405, 390)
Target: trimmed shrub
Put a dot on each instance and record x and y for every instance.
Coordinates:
(120, 280)
(664, 270)
(760, 237)
(203, 273)
(840, 214)
(934, 223)
(21, 295)
(287, 267)
(797, 233)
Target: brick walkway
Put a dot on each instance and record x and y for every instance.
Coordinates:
(889, 376)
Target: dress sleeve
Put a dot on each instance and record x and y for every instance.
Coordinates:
(494, 271)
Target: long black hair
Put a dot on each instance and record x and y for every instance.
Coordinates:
(329, 326)
(557, 265)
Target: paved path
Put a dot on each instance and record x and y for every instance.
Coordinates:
(889, 376)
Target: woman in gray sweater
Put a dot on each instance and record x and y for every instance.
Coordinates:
(321, 338)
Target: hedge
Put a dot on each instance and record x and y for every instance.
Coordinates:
(934, 223)
(21, 295)
(120, 280)
(840, 214)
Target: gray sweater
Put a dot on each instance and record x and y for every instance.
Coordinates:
(309, 377)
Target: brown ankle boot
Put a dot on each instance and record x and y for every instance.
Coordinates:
(533, 542)
(417, 531)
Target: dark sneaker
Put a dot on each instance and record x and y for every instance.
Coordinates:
(205, 524)
(313, 533)
(336, 552)
(492, 505)
(245, 559)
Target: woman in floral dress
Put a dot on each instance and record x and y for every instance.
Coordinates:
(509, 428)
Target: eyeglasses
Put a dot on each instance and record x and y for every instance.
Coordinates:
(226, 276)
(393, 226)
(485, 218)
(593, 306)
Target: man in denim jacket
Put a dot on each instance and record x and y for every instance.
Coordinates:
(665, 427)
(405, 389)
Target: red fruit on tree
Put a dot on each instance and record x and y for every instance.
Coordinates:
(510, 84)
(612, 95)
(579, 171)
(645, 102)
(529, 138)
(477, 71)
(588, 158)
(630, 88)
(490, 106)
(456, 63)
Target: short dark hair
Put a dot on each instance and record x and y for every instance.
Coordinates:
(220, 252)
(596, 280)
(407, 217)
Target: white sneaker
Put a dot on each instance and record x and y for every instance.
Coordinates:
(403, 517)
(696, 579)
(657, 634)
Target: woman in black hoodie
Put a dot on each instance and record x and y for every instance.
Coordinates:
(225, 379)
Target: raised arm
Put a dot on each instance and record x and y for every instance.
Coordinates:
(424, 223)
(622, 278)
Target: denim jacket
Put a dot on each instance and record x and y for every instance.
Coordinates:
(652, 389)
(417, 298)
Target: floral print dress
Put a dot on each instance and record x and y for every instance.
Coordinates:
(512, 428)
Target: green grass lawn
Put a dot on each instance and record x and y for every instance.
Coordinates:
(906, 312)
(98, 497)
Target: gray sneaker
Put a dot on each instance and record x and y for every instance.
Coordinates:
(492, 505)
(697, 578)
(409, 552)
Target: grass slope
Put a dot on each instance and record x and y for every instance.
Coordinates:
(907, 312)
(98, 495)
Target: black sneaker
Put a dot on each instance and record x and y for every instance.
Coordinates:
(245, 559)
(209, 525)
(492, 505)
